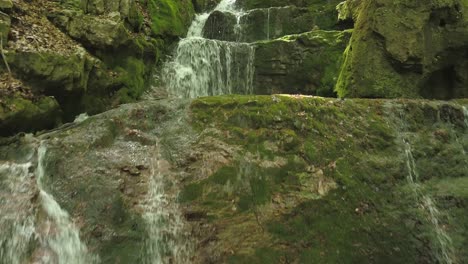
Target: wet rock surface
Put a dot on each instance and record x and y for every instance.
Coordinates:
(263, 178)
(307, 63)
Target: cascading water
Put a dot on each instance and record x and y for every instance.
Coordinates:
(58, 236)
(17, 212)
(465, 113)
(167, 240)
(443, 243)
(268, 23)
(41, 232)
(203, 67)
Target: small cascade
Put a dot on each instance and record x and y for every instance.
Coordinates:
(443, 243)
(203, 67)
(465, 113)
(17, 212)
(58, 236)
(34, 226)
(268, 24)
(167, 241)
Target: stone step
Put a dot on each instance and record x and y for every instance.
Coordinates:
(260, 24)
(307, 63)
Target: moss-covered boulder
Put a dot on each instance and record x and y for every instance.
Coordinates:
(18, 114)
(96, 32)
(263, 179)
(312, 180)
(307, 63)
(407, 49)
(170, 18)
(52, 73)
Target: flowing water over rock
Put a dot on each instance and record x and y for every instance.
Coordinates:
(167, 242)
(465, 113)
(57, 233)
(17, 213)
(44, 228)
(203, 67)
(442, 245)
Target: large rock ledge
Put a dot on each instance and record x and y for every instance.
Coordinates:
(264, 179)
(307, 63)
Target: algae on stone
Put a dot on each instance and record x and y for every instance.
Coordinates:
(307, 63)
(400, 49)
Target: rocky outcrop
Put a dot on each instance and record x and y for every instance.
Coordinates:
(259, 24)
(407, 49)
(324, 11)
(89, 55)
(307, 63)
(261, 179)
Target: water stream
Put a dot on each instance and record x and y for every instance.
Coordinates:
(465, 113)
(17, 213)
(167, 242)
(442, 244)
(58, 235)
(31, 220)
(203, 67)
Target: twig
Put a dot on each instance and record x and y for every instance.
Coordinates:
(10, 77)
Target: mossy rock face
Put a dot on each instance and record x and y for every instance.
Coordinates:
(63, 76)
(96, 32)
(170, 18)
(313, 180)
(22, 115)
(266, 179)
(53, 73)
(260, 24)
(399, 49)
(324, 12)
(307, 63)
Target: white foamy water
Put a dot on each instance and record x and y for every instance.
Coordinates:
(34, 228)
(168, 240)
(17, 212)
(58, 235)
(204, 67)
(443, 243)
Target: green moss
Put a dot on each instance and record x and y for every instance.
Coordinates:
(296, 144)
(190, 192)
(224, 175)
(261, 255)
(19, 114)
(170, 17)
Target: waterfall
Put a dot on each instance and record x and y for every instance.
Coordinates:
(58, 235)
(44, 231)
(203, 67)
(167, 240)
(17, 213)
(443, 243)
